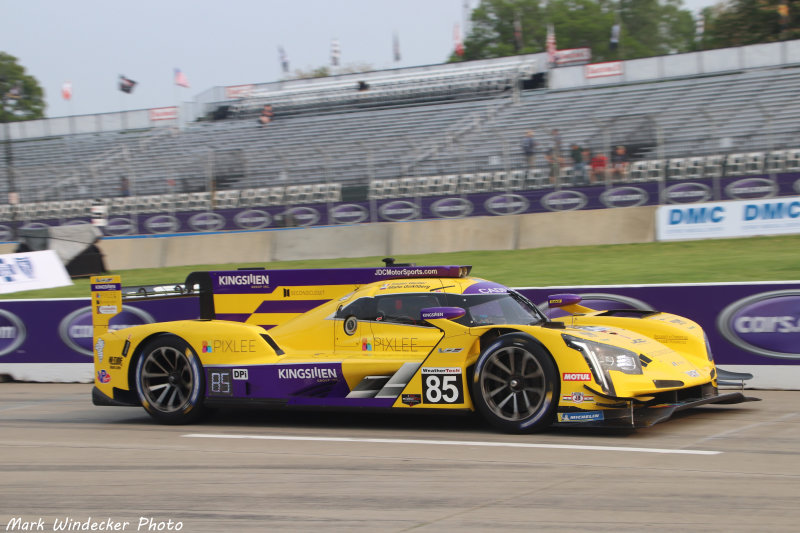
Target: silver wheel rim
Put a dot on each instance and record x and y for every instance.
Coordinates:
(513, 384)
(167, 379)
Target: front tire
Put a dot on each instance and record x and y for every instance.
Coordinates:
(515, 385)
(170, 381)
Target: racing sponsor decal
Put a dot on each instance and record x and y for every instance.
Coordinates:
(751, 188)
(586, 416)
(671, 339)
(687, 193)
(506, 204)
(252, 219)
(406, 272)
(301, 216)
(366, 345)
(120, 226)
(399, 210)
(434, 313)
(240, 374)
(486, 287)
(162, 224)
(412, 399)
(399, 344)
(115, 362)
(452, 208)
(348, 214)
(317, 373)
(442, 385)
(766, 324)
(624, 197)
(564, 201)
(250, 280)
(576, 376)
(693, 373)
(421, 285)
(207, 221)
(600, 301)
(295, 292)
(451, 350)
(98, 348)
(76, 330)
(219, 382)
(577, 397)
(12, 332)
(229, 346)
(103, 376)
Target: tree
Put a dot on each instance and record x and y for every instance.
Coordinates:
(649, 27)
(22, 97)
(742, 22)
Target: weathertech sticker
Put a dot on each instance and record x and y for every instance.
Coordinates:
(442, 385)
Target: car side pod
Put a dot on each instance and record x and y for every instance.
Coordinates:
(568, 302)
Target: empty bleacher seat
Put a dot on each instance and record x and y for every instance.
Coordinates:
(676, 169)
(735, 164)
(695, 167)
(713, 167)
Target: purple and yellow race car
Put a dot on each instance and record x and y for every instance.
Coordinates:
(402, 338)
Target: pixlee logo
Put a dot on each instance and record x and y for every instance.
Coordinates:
(229, 346)
(312, 372)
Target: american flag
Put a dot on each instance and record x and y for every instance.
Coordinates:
(66, 90)
(283, 59)
(551, 44)
(180, 79)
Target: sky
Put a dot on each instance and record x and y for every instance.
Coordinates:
(90, 43)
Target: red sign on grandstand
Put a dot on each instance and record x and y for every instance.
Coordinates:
(573, 56)
(164, 113)
(600, 70)
(238, 91)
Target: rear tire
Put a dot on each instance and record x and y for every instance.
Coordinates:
(515, 386)
(170, 382)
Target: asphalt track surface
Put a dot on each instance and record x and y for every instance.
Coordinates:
(64, 461)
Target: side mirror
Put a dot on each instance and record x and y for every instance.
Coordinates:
(560, 300)
(438, 313)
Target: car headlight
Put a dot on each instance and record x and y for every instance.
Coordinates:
(603, 358)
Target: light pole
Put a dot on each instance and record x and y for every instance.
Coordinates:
(13, 199)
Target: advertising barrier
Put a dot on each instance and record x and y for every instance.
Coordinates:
(751, 327)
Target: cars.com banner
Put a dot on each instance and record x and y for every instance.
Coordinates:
(743, 218)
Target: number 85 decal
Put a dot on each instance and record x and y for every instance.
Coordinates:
(442, 385)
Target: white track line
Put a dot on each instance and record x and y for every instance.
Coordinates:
(456, 443)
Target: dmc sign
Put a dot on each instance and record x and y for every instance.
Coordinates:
(766, 324)
(12, 332)
(696, 215)
(772, 211)
(76, 330)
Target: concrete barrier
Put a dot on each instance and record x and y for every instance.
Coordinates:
(536, 230)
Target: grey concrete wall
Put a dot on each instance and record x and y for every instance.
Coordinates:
(537, 230)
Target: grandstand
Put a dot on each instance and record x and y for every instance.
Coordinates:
(674, 113)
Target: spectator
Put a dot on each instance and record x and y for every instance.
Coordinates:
(598, 164)
(124, 186)
(619, 164)
(555, 157)
(529, 148)
(266, 115)
(578, 166)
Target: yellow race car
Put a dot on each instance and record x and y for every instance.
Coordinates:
(400, 337)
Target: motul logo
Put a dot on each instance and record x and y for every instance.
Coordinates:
(577, 377)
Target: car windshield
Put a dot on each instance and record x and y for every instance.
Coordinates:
(497, 308)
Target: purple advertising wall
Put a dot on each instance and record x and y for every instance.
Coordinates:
(433, 206)
(753, 325)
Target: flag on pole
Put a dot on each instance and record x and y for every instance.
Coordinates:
(336, 52)
(517, 32)
(614, 40)
(126, 85)
(283, 60)
(551, 45)
(180, 79)
(459, 46)
(66, 90)
(396, 47)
